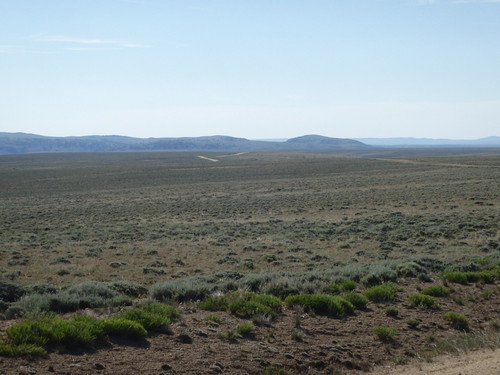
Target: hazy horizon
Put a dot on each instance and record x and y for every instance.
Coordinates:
(251, 69)
(277, 139)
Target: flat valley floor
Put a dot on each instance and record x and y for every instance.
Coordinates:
(151, 218)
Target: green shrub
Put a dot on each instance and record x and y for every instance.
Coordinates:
(358, 300)
(391, 311)
(385, 333)
(22, 350)
(244, 305)
(282, 288)
(127, 288)
(121, 300)
(214, 318)
(230, 335)
(90, 294)
(193, 289)
(245, 329)
(344, 286)
(152, 316)
(437, 291)
(413, 323)
(322, 304)
(249, 308)
(382, 293)
(35, 336)
(423, 301)
(123, 328)
(463, 277)
(40, 289)
(457, 320)
(220, 303)
(10, 292)
(458, 277)
(91, 289)
(53, 331)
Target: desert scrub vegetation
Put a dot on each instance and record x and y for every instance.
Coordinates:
(51, 332)
(357, 299)
(284, 284)
(385, 292)
(463, 343)
(384, 333)
(413, 323)
(465, 277)
(437, 291)
(422, 301)
(214, 319)
(152, 316)
(89, 294)
(457, 320)
(333, 306)
(344, 286)
(10, 292)
(391, 311)
(244, 305)
(246, 329)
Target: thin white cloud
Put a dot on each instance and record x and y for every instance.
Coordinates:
(66, 39)
(43, 44)
(7, 49)
(41, 38)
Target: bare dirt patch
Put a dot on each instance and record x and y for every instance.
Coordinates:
(481, 362)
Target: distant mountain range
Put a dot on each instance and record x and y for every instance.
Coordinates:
(20, 143)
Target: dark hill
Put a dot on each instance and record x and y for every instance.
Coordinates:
(19, 143)
(321, 142)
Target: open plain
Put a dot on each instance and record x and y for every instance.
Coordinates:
(181, 229)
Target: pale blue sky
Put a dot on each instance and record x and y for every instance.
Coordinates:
(251, 68)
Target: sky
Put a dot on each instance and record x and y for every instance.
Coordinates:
(256, 69)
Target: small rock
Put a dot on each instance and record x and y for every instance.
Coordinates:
(99, 366)
(185, 338)
(218, 364)
(289, 356)
(166, 367)
(215, 369)
(201, 333)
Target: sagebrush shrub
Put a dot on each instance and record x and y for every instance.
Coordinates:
(244, 305)
(358, 300)
(123, 328)
(322, 304)
(245, 329)
(437, 291)
(344, 286)
(385, 333)
(152, 316)
(423, 301)
(10, 292)
(385, 292)
(457, 320)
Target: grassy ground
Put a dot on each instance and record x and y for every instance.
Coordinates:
(275, 223)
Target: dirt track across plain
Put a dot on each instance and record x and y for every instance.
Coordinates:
(483, 362)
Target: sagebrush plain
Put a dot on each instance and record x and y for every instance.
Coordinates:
(180, 229)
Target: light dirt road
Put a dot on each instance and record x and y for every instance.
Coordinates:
(482, 362)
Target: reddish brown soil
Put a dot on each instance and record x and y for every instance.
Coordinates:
(306, 343)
